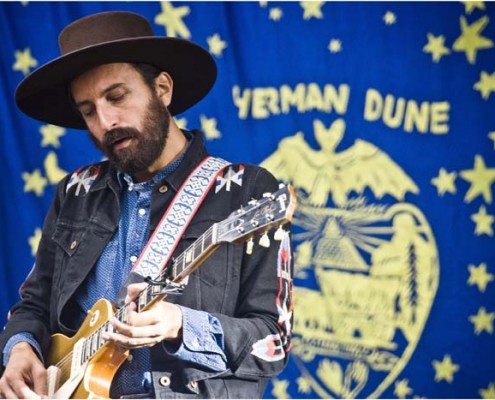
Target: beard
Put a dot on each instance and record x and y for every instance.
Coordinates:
(147, 145)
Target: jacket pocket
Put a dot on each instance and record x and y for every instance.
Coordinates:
(68, 236)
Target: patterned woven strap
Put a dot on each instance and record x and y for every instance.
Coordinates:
(179, 214)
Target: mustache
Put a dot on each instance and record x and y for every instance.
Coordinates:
(114, 135)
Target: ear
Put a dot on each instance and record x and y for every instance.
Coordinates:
(164, 87)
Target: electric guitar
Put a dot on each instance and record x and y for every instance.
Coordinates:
(84, 365)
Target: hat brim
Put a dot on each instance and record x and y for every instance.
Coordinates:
(44, 94)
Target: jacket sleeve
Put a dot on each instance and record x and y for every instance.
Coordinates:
(257, 337)
(31, 313)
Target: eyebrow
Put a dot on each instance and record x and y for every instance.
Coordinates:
(103, 93)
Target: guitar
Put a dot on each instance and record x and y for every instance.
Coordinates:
(84, 365)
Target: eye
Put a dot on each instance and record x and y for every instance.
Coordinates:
(116, 97)
(87, 112)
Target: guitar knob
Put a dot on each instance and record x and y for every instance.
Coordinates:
(249, 246)
(265, 241)
(279, 233)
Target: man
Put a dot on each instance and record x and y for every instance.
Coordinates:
(229, 331)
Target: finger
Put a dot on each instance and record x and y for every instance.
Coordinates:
(40, 382)
(159, 313)
(27, 393)
(8, 393)
(136, 332)
(133, 290)
(23, 391)
(130, 343)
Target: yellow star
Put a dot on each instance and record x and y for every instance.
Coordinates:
(482, 321)
(263, 4)
(216, 45)
(312, 9)
(171, 19)
(489, 392)
(279, 390)
(402, 389)
(470, 40)
(491, 136)
(389, 18)
(303, 385)
(51, 135)
(485, 85)
(436, 46)
(445, 182)
(181, 122)
(24, 61)
(34, 241)
(479, 276)
(209, 127)
(275, 13)
(34, 182)
(480, 178)
(445, 369)
(469, 6)
(483, 222)
(335, 46)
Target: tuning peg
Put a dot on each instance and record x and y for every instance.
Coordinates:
(265, 241)
(249, 246)
(279, 233)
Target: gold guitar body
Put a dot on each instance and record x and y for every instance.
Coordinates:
(69, 378)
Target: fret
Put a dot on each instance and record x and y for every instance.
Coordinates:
(122, 317)
(86, 350)
(101, 341)
(94, 344)
(183, 265)
(197, 249)
(142, 299)
(190, 254)
(83, 353)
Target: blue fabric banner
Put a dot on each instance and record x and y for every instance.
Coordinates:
(381, 114)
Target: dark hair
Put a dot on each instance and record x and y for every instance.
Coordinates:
(148, 72)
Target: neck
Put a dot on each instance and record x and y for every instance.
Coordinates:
(175, 146)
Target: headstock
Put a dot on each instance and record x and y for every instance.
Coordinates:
(258, 216)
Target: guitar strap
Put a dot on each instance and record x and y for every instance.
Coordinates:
(162, 243)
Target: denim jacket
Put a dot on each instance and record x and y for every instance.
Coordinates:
(250, 294)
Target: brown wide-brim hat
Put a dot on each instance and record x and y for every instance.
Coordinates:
(113, 37)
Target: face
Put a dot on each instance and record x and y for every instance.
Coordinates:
(126, 119)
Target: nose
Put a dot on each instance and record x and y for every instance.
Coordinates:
(108, 118)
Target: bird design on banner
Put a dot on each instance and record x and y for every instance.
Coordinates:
(326, 172)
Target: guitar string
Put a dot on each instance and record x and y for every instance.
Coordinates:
(120, 311)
